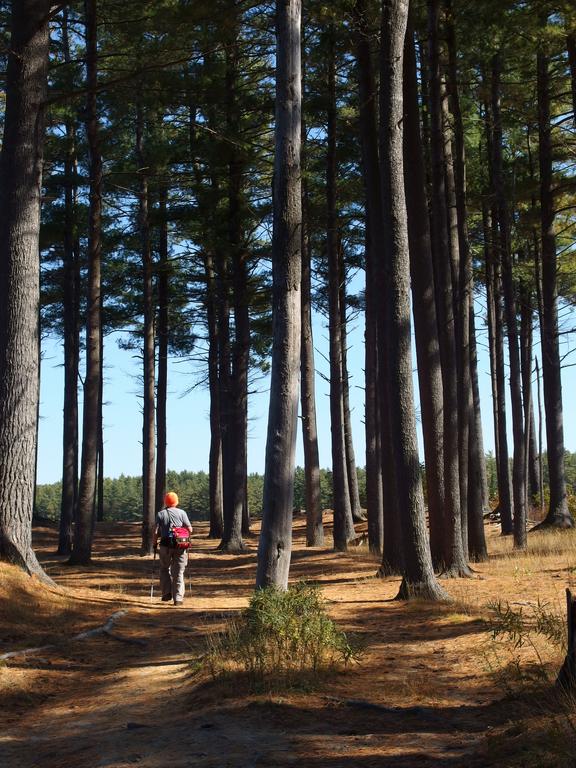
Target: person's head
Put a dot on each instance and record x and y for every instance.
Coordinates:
(171, 499)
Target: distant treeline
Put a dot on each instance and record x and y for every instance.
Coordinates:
(123, 495)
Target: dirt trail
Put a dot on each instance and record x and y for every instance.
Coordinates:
(420, 697)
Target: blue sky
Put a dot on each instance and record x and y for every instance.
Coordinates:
(188, 425)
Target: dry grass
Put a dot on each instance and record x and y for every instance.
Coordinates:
(33, 615)
(524, 650)
(30, 612)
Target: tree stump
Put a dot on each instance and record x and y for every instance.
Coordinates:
(567, 675)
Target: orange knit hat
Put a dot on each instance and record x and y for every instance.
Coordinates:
(171, 499)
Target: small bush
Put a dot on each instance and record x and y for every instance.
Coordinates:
(282, 638)
(531, 647)
(518, 626)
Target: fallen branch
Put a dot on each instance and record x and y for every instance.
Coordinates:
(25, 652)
(105, 629)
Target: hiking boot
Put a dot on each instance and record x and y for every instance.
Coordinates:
(177, 602)
(167, 597)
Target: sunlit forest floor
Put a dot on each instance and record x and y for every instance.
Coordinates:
(433, 686)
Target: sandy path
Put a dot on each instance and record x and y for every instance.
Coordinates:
(419, 698)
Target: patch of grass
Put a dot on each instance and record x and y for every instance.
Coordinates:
(282, 640)
(528, 646)
(519, 625)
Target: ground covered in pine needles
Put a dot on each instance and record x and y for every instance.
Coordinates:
(466, 684)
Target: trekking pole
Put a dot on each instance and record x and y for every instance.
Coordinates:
(152, 577)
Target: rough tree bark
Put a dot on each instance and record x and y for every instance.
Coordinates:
(526, 339)
(351, 472)
(314, 526)
(20, 190)
(84, 529)
(343, 524)
(148, 344)
(478, 492)
(215, 459)
(464, 293)
(71, 311)
(162, 331)
(424, 305)
(373, 247)
(275, 545)
(214, 290)
(100, 461)
(558, 513)
(460, 310)
(418, 576)
(504, 484)
(222, 269)
(234, 453)
(495, 336)
(453, 555)
(571, 47)
(505, 259)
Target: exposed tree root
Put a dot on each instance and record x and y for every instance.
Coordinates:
(25, 558)
(457, 572)
(423, 590)
(233, 548)
(387, 570)
(564, 523)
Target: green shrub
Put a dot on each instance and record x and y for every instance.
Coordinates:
(518, 625)
(281, 639)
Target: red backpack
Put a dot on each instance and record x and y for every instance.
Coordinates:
(179, 537)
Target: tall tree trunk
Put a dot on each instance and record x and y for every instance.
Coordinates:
(20, 190)
(215, 460)
(418, 577)
(246, 521)
(464, 282)
(216, 318)
(84, 529)
(71, 310)
(424, 305)
(461, 321)
(234, 465)
(533, 478)
(99, 510)
(351, 473)
(371, 176)
(162, 332)
(540, 420)
(491, 322)
(558, 513)
(505, 254)
(222, 266)
(453, 555)
(495, 332)
(314, 526)
(571, 47)
(478, 487)
(149, 347)
(343, 525)
(275, 545)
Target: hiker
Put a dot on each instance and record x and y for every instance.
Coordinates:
(173, 553)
